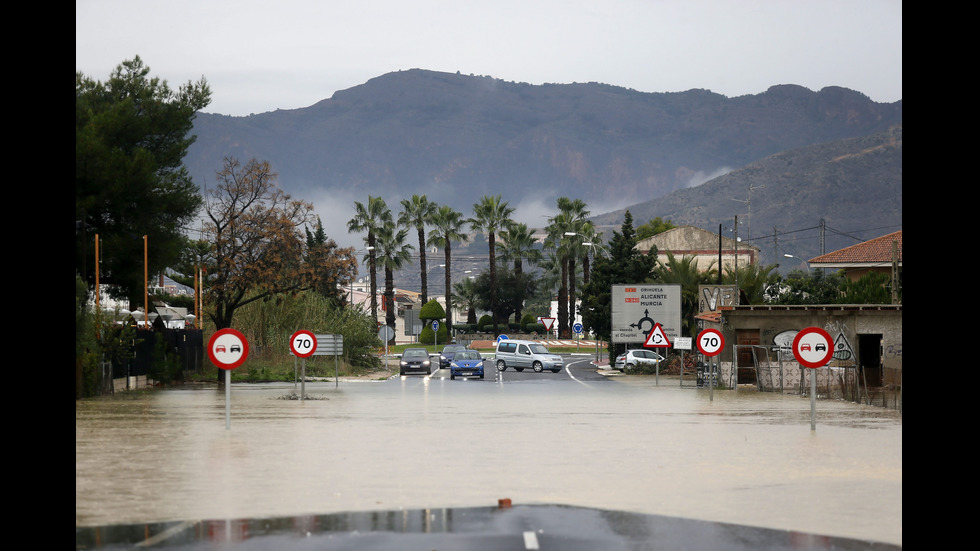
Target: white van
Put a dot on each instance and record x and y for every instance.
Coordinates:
(522, 354)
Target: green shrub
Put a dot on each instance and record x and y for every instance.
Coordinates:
(485, 323)
(432, 310)
(535, 328)
(527, 319)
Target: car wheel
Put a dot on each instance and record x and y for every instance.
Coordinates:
(501, 366)
(629, 367)
(537, 367)
(481, 375)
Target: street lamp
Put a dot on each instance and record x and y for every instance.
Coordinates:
(787, 255)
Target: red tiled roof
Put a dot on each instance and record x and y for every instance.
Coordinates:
(713, 316)
(875, 250)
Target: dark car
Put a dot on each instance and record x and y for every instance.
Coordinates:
(466, 363)
(415, 361)
(447, 354)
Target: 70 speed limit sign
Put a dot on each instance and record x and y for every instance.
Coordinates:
(303, 343)
(711, 342)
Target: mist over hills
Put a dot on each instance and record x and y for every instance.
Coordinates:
(458, 137)
(804, 201)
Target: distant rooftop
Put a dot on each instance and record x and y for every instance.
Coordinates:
(873, 251)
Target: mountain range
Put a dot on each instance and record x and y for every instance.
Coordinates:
(785, 160)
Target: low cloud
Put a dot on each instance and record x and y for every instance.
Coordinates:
(701, 177)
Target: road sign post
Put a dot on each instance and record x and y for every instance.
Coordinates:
(656, 338)
(331, 345)
(548, 323)
(813, 347)
(303, 345)
(386, 333)
(682, 344)
(227, 349)
(710, 343)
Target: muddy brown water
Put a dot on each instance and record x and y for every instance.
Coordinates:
(741, 457)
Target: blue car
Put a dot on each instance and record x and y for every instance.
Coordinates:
(448, 352)
(466, 363)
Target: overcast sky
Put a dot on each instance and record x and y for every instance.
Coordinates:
(261, 56)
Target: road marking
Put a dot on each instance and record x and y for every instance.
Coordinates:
(530, 540)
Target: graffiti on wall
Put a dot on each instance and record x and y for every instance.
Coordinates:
(894, 351)
(843, 351)
(713, 297)
(785, 339)
(842, 347)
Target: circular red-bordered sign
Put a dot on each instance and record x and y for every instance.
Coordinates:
(813, 347)
(711, 342)
(227, 348)
(303, 343)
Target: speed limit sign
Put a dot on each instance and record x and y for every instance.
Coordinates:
(711, 342)
(303, 343)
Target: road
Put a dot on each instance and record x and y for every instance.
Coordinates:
(551, 443)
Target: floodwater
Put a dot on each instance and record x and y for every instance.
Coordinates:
(626, 444)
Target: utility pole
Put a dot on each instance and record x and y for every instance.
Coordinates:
(738, 296)
(823, 236)
(894, 272)
(775, 243)
(748, 204)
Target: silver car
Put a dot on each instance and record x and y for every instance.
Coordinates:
(523, 354)
(635, 358)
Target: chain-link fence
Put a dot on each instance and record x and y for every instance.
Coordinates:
(776, 370)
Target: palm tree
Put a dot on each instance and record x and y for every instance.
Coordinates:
(447, 227)
(369, 219)
(577, 213)
(752, 281)
(393, 254)
(464, 294)
(416, 213)
(489, 216)
(559, 226)
(592, 243)
(518, 245)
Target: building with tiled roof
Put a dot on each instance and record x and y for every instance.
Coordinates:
(706, 248)
(881, 254)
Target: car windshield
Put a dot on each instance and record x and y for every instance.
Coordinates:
(453, 348)
(415, 353)
(539, 349)
(468, 355)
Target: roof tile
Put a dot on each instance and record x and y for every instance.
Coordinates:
(878, 249)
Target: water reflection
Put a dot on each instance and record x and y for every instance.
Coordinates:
(744, 457)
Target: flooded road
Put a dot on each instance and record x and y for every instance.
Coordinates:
(622, 444)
